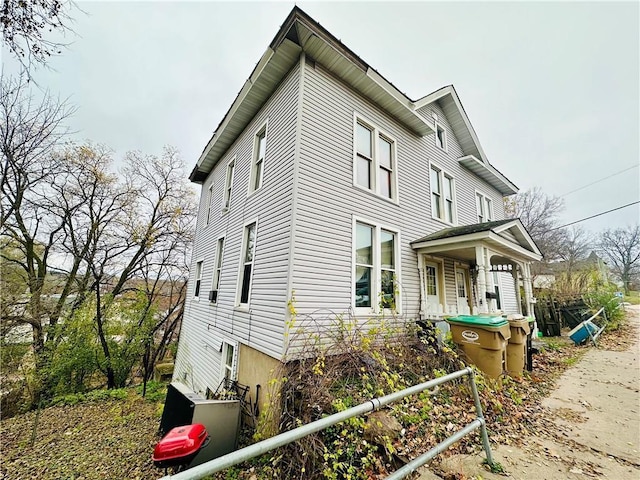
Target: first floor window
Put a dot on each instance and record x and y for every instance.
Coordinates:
(198, 279)
(246, 271)
(213, 296)
(375, 266)
(443, 203)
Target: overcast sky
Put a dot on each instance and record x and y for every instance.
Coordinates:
(552, 89)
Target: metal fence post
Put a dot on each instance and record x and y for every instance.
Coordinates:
(483, 428)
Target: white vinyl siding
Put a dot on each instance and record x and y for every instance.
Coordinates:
(261, 328)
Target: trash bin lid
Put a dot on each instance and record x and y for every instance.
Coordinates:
(479, 321)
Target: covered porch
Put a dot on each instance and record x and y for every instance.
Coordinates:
(476, 269)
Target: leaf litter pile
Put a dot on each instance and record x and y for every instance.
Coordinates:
(114, 438)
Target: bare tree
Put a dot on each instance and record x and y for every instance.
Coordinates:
(621, 248)
(29, 229)
(539, 214)
(148, 247)
(26, 24)
(575, 247)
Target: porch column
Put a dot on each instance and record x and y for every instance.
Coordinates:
(516, 280)
(423, 290)
(528, 290)
(491, 303)
(482, 280)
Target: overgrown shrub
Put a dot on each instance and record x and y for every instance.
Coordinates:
(345, 364)
(604, 296)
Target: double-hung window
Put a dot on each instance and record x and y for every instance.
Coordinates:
(375, 161)
(228, 184)
(257, 165)
(196, 292)
(375, 261)
(246, 266)
(484, 207)
(443, 203)
(209, 203)
(215, 286)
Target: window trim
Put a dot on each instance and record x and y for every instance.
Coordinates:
(198, 278)
(442, 173)
(233, 368)
(376, 166)
(483, 202)
(242, 264)
(227, 194)
(263, 129)
(209, 205)
(445, 144)
(217, 270)
(376, 280)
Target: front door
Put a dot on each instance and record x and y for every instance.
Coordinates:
(431, 287)
(462, 291)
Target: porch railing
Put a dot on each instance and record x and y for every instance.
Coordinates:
(252, 451)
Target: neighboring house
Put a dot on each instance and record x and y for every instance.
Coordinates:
(325, 182)
(544, 275)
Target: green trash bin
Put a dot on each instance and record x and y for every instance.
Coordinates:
(483, 339)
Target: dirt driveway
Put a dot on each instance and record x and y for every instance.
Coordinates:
(595, 412)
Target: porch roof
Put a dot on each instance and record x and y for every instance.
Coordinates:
(505, 236)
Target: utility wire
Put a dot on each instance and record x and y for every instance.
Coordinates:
(596, 215)
(598, 181)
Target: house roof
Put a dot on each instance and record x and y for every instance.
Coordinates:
(462, 230)
(509, 233)
(475, 159)
(301, 33)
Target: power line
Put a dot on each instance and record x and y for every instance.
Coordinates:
(596, 215)
(598, 181)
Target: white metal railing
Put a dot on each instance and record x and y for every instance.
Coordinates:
(247, 453)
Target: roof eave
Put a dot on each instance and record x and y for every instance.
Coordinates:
(489, 174)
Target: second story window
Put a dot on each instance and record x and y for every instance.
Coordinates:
(246, 265)
(375, 162)
(196, 292)
(484, 207)
(213, 295)
(443, 204)
(209, 202)
(257, 165)
(228, 185)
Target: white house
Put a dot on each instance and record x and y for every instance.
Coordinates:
(325, 180)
